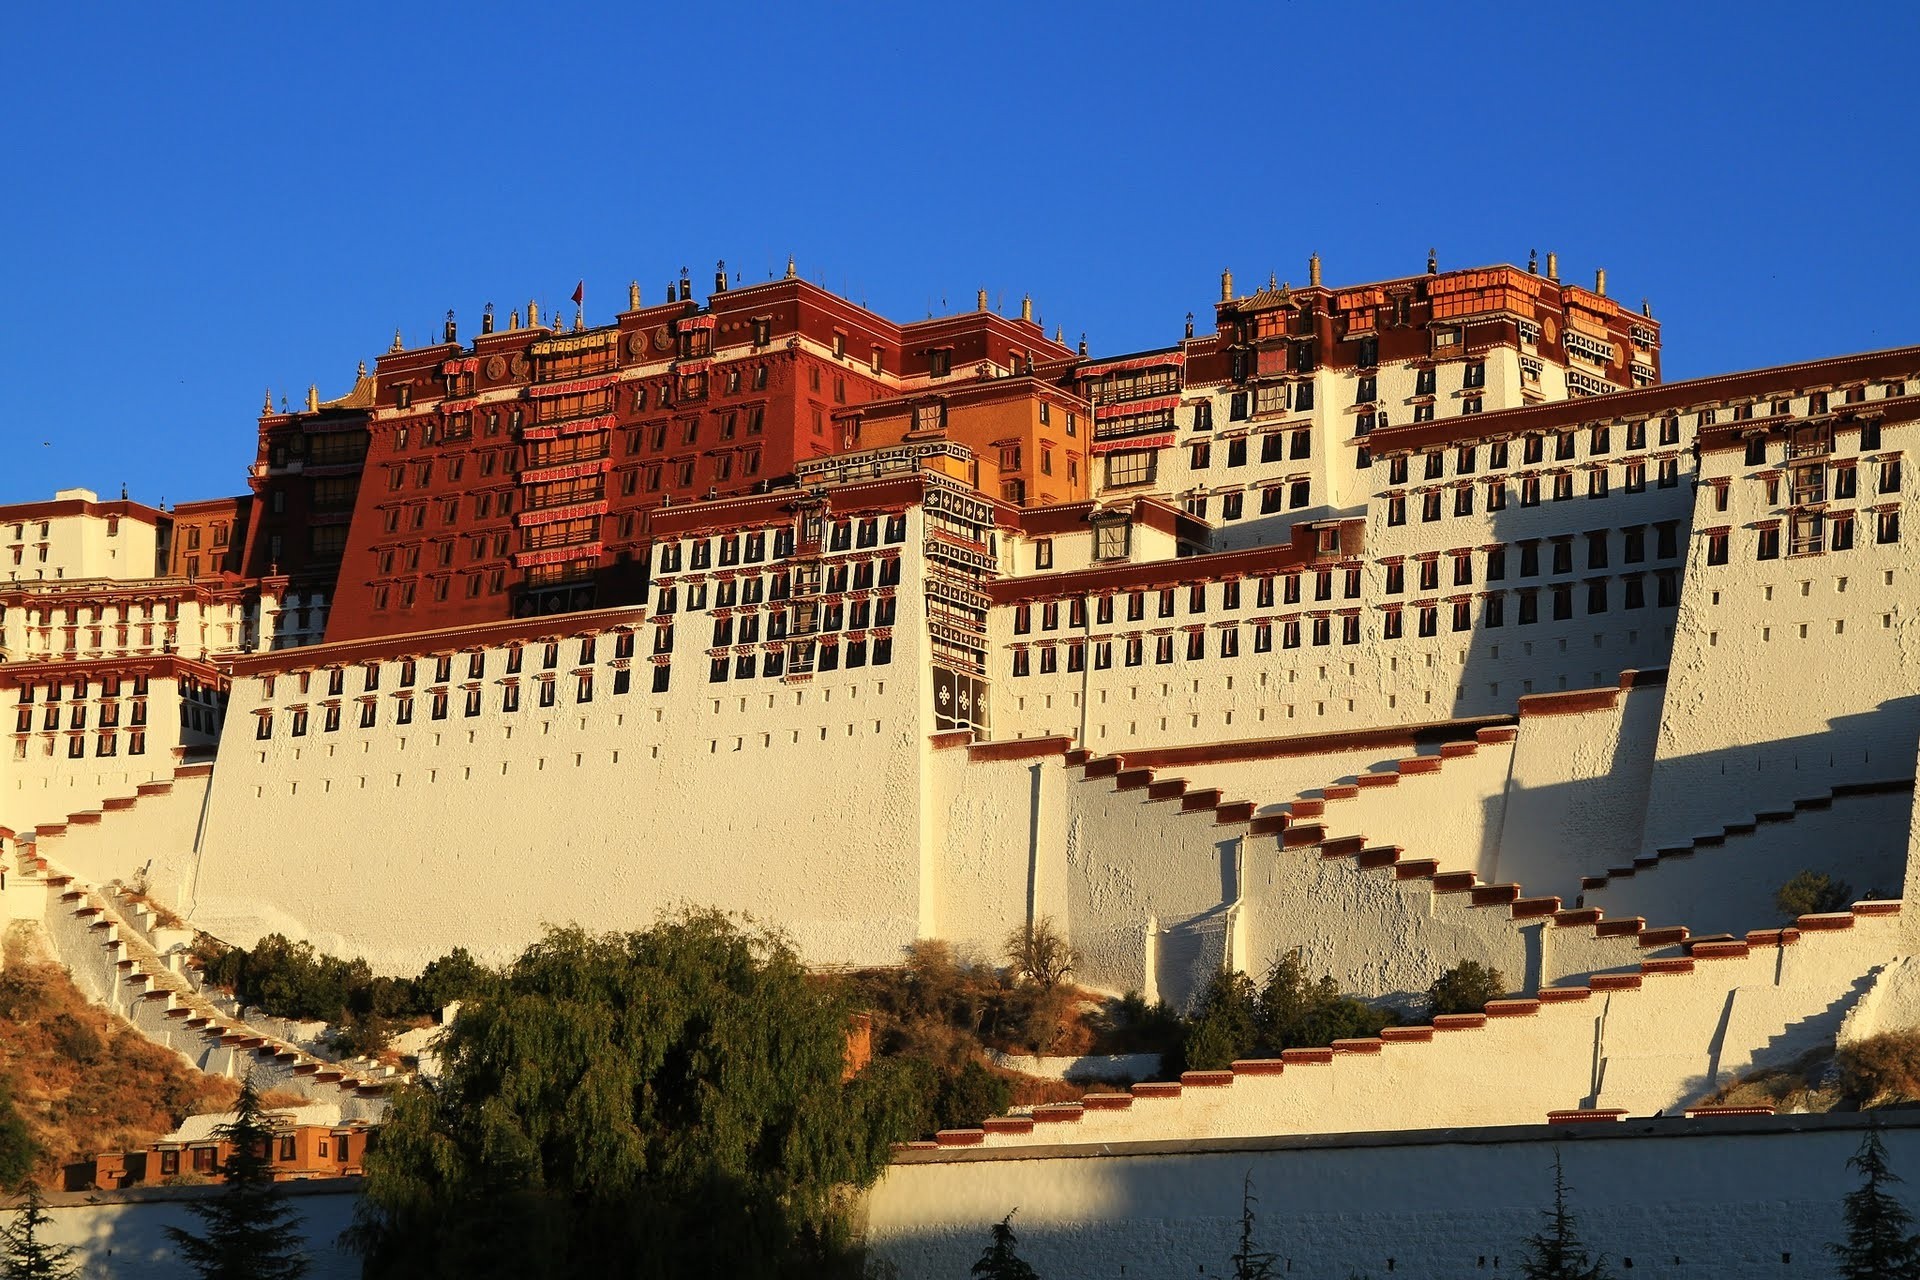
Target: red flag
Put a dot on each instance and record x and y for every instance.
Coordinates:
(580, 293)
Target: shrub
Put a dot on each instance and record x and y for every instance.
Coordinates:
(18, 1150)
(1041, 954)
(1881, 1069)
(1225, 1023)
(1465, 988)
(75, 1040)
(1812, 893)
(1298, 1013)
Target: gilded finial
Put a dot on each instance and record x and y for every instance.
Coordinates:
(266, 406)
(1059, 336)
(1533, 262)
(579, 320)
(790, 268)
(1313, 271)
(1273, 278)
(533, 314)
(1190, 320)
(633, 295)
(361, 372)
(313, 397)
(1083, 344)
(398, 343)
(1433, 262)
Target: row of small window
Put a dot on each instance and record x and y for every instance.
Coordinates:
(106, 743)
(440, 703)
(443, 664)
(782, 584)
(800, 658)
(1533, 450)
(804, 619)
(751, 548)
(1293, 632)
(110, 687)
(1288, 496)
(1433, 501)
(1810, 533)
(1274, 447)
(1560, 552)
(1560, 600)
(76, 717)
(1199, 596)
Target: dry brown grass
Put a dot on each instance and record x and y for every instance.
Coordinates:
(1795, 1087)
(84, 1081)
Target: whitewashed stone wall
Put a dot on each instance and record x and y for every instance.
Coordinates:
(1674, 1198)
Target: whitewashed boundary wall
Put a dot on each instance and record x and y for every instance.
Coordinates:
(123, 1235)
(1659, 1038)
(1727, 882)
(1723, 1197)
(1579, 787)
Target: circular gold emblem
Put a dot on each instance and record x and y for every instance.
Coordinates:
(497, 368)
(661, 338)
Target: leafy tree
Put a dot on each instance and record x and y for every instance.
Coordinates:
(1225, 1024)
(1466, 988)
(1556, 1253)
(1299, 1013)
(1812, 893)
(251, 1232)
(1041, 954)
(1877, 1244)
(18, 1150)
(454, 976)
(650, 1104)
(1249, 1261)
(1000, 1262)
(23, 1254)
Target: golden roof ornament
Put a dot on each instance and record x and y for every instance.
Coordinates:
(1533, 262)
(633, 295)
(266, 406)
(1313, 271)
(313, 397)
(361, 371)
(398, 343)
(533, 314)
(1433, 262)
(790, 270)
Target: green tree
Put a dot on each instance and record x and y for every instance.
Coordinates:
(1465, 988)
(1250, 1262)
(250, 1231)
(662, 1103)
(18, 1150)
(23, 1254)
(1556, 1253)
(1812, 893)
(1225, 1024)
(1297, 1012)
(1000, 1262)
(1877, 1243)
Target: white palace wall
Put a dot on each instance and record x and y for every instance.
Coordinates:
(797, 802)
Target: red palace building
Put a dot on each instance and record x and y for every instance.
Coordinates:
(514, 477)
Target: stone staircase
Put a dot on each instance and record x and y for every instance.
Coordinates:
(114, 958)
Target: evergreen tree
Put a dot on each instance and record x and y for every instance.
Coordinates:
(1556, 1253)
(23, 1254)
(251, 1232)
(1249, 1262)
(1000, 1262)
(1877, 1243)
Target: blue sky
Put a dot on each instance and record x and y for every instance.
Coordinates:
(204, 201)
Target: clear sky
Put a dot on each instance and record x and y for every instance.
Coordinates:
(203, 201)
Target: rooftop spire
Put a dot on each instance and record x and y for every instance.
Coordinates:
(790, 271)
(1433, 262)
(398, 344)
(1226, 285)
(1313, 271)
(633, 295)
(313, 397)
(266, 406)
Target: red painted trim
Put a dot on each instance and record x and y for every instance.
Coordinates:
(1019, 749)
(1393, 737)
(487, 635)
(1571, 703)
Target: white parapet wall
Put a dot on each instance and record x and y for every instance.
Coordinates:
(1658, 1039)
(1727, 1197)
